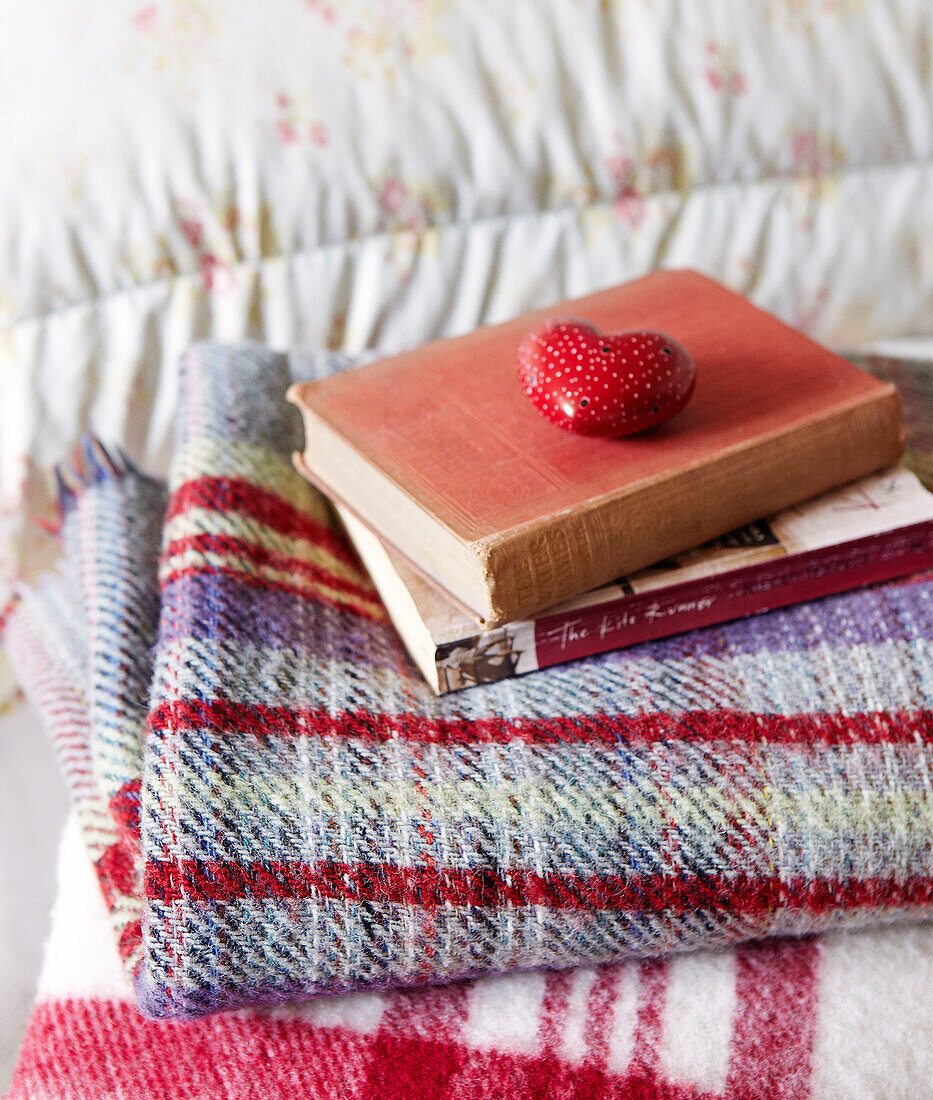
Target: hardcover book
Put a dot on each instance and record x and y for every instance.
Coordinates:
(440, 452)
(878, 528)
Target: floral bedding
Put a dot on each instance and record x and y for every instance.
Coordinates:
(373, 173)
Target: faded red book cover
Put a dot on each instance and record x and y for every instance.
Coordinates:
(775, 418)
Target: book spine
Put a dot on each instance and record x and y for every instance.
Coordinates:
(748, 591)
(706, 601)
(544, 564)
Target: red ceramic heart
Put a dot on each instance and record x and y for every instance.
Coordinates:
(594, 384)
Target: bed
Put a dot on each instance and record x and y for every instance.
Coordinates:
(369, 174)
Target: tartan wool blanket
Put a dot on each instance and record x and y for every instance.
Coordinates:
(828, 1018)
(309, 818)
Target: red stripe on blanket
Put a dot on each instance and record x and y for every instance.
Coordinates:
(429, 887)
(554, 1005)
(263, 556)
(649, 1027)
(116, 871)
(694, 726)
(775, 1022)
(131, 939)
(600, 1008)
(125, 808)
(235, 495)
(105, 1049)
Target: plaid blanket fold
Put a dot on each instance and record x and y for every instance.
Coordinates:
(313, 820)
(766, 1021)
(775, 1019)
(82, 646)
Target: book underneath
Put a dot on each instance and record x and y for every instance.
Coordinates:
(875, 529)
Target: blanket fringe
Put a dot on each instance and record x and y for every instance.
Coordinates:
(90, 463)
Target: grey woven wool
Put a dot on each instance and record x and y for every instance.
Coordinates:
(82, 645)
(314, 820)
(111, 537)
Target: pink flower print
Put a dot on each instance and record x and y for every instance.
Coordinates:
(619, 166)
(293, 125)
(193, 231)
(629, 203)
(630, 206)
(392, 195)
(803, 146)
(722, 74)
(145, 18)
(734, 83)
(286, 131)
(328, 14)
(211, 267)
(813, 155)
(10, 605)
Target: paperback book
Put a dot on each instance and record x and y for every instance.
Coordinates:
(875, 529)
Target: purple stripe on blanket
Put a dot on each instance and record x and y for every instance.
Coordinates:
(900, 612)
(227, 609)
(218, 608)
